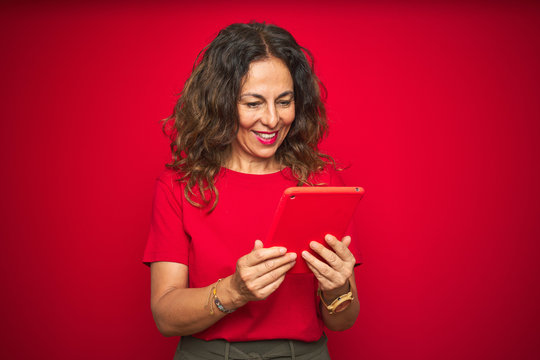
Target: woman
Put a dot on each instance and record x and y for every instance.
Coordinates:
(246, 127)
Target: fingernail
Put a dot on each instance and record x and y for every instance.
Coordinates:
(292, 256)
(282, 250)
(305, 254)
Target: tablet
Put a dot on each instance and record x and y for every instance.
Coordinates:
(305, 214)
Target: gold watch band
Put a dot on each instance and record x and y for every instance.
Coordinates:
(334, 307)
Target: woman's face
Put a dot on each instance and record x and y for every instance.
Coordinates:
(266, 112)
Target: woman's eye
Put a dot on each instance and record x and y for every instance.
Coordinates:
(285, 103)
(253, 104)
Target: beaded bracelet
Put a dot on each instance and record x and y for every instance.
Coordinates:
(218, 303)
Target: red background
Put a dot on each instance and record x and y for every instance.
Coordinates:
(435, 107)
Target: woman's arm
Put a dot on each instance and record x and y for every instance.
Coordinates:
(179, 310)
(334, 278)
(345, 319)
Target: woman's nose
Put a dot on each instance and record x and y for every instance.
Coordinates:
(270, 117)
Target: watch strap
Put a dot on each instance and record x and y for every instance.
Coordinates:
(334, 307)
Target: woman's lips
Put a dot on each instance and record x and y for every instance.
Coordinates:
(266, 137)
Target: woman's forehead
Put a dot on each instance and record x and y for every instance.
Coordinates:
(269, 74)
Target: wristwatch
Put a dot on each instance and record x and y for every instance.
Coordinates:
(340, 303)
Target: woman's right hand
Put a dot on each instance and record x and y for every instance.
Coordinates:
(261, 272)
(178, 309)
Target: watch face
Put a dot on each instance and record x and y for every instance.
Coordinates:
(343, 306)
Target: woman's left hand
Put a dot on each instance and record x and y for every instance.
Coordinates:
(333, 275)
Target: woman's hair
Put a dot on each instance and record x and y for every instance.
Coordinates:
(205, 119)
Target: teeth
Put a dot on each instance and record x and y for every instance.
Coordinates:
(266, 136)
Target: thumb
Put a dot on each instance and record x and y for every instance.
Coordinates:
(346, 241)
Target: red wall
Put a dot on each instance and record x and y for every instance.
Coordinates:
(434, 107)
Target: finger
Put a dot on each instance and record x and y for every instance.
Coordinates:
(313, 268)
(327, 281)
(346, 241)
(324, 283)
(322, 269)
(269, 288)
(258, 245)
(327, 255)
(341, 249)
(275, 263)
(342, 260)
(270, 281)
(257, 256)
(348, 256)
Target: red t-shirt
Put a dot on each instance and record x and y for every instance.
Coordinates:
(211, 244)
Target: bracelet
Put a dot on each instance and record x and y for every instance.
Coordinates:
(340, 303)
(218, 303)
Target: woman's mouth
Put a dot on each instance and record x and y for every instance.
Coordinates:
(266, 137)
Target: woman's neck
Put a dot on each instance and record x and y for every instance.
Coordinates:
(263, 166)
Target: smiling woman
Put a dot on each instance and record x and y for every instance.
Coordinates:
(265, 115)
(246, 127)
(205, 121)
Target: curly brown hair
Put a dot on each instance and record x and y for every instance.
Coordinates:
(205, 119)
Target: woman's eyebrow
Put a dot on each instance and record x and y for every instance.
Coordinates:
(259, 96)
(286, 93)
(252, 94)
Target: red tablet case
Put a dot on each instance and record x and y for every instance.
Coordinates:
(307, 214)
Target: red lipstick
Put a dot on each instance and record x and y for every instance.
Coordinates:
(266, 137)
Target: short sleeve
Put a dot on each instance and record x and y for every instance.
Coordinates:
(167, 240)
